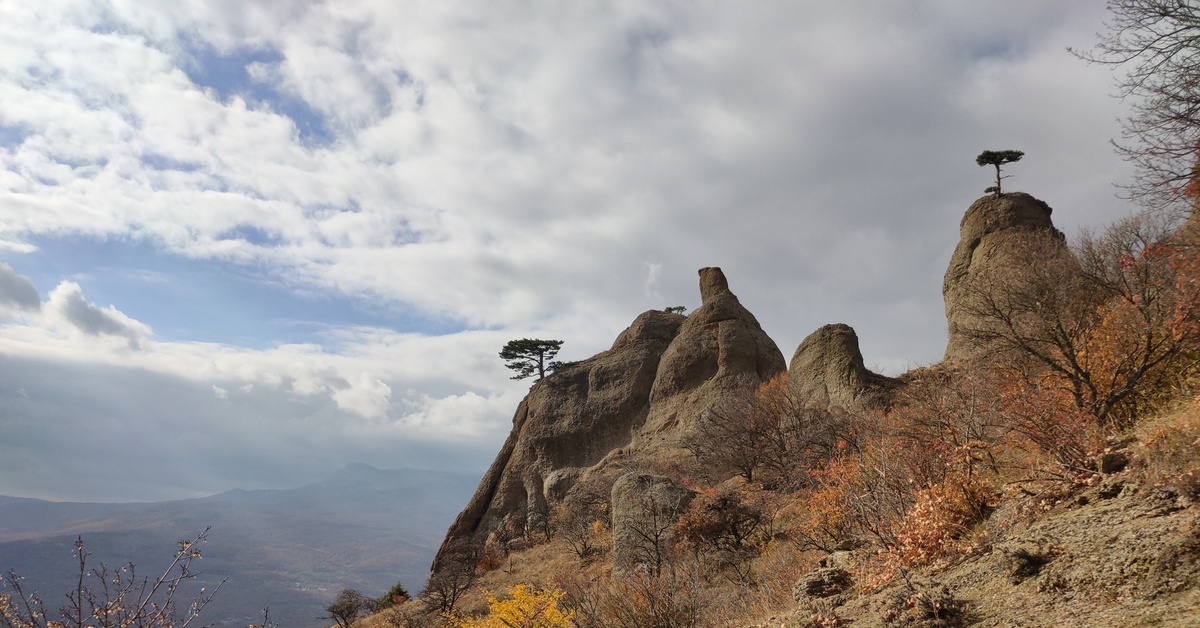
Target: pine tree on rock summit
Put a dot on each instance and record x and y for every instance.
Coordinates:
(529, 356)
(998, 158)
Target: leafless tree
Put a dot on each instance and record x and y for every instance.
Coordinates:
(651, 530)
(771, 437)
(1115, 320)
(1156, 42)
(456, 573)
(347, 607)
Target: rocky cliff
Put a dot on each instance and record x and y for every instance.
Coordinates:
(626, 408)
(992, 233)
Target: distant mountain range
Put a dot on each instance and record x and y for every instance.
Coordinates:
(291, 550)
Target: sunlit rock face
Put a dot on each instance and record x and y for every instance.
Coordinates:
(993, 232)
(630, 407)
(827, 370)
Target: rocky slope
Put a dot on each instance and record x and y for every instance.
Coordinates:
(1111, 549)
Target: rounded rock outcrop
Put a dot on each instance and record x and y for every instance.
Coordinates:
(827, 370)
(644, 507)
(993, 232)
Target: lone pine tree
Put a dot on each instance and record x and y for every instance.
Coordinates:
(528, 356)
(998, 158)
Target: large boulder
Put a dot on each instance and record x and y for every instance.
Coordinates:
(827, 370)
(995, 232)
(631, 407)
(644, 508)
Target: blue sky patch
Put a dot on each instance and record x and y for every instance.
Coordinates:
(199, 300)
(227, 76)
(12, 135)
(162, 162)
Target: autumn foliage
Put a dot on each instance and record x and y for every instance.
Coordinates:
(1077, 346)
(523, 607)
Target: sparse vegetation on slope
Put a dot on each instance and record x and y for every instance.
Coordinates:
(924, 504)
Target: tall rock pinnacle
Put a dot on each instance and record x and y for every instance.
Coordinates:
(991, 233)
(626, 408)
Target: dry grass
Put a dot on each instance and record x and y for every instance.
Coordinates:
(1170, 449)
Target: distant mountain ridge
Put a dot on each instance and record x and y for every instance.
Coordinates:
(289, 549)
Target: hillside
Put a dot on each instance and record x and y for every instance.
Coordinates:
(291, 550)
(1044, 473)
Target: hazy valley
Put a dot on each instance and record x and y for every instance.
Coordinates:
(291, 550)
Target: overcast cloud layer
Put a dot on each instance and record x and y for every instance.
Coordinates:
(246, 242)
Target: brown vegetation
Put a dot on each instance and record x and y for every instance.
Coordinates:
(1077, 348)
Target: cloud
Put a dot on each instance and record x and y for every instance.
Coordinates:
(366, 396)
(17, 291)
(468, 175)
(67, 303)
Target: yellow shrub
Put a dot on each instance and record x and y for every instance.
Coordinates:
(526, 607)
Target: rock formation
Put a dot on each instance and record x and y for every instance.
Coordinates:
(643, 508)
(992, 232)
(827, 370)
(624, 409)
(720, 348)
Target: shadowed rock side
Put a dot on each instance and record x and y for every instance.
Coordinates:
(621, 408)
(643, 507)
(991, 232)
(568, 422)
(827, 370)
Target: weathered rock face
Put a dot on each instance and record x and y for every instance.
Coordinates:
(568, 422)
(644, 507)
(827, 370)
(623, 408)
(720, 348)
(991, 233)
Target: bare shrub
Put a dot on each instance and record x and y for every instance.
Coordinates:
(1115, 326)
(926, 604)
(114, 597)
(582, 519)
(347, 607)
(670, 599)
(955, 409)
(728, 525)
(771, 437)
(457, 571)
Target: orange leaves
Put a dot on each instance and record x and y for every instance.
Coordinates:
(730, 517)
(939, 520)
(1043, 419)
(820, 519)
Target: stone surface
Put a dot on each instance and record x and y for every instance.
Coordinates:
(631, 407)
(644, 508)
(991, 232)
(822, 582)
(827, 370)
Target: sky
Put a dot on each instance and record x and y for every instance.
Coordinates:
(246, 242)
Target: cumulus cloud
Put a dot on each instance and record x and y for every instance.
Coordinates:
(366, 396)
(68, 304)
(17, 291)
